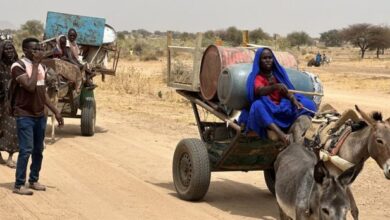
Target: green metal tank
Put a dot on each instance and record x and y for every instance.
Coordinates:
(232, 85)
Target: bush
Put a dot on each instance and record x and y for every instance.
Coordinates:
(149, 57)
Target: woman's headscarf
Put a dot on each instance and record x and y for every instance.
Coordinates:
(277, 70)
(2, 46)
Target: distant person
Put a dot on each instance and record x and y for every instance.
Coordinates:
(60, 50)
(74, 48)
(29, 101)
(75, 51)
(318, 59)
(324, 59)
(9, 139)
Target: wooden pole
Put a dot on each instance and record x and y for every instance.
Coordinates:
(245, 38)
(304, 93)
(169, 43)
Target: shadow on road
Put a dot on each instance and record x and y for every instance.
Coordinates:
(236, 198)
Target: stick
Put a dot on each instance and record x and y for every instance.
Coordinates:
(304, 93)
(336, 160)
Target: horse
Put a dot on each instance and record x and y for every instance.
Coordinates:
(306, 190)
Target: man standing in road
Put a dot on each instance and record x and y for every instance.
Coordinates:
(28, 102)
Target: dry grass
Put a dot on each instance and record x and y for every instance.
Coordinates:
(147, 80)
(367, 75)
(140, 79)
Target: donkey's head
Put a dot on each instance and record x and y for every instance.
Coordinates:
(379, 143)
(334, 203)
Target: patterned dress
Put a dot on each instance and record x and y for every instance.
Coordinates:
(9, 140)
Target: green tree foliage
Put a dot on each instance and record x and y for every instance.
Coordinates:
(331, 38)
(359, 35)
(32, 28)
(258, 35)
(232, 35)
(380, 39)
(121, 35)
(299, 38)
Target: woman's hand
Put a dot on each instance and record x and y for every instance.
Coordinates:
(281, 88)
(297, 104)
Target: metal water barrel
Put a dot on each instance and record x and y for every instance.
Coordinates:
(214, 60)
(232, 84)
(217, 58)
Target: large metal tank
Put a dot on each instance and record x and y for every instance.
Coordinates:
(232, 85)
(217, 58)
(214, 60)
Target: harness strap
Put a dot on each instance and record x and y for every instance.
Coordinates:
(341, 141)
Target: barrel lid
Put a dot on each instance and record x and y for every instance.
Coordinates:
(210, 69)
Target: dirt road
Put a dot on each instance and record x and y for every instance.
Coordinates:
(124, 171)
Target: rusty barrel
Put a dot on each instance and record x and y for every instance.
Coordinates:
(214, 60)
(286, 59)
(217, 58)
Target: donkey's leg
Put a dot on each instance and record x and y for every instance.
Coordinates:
(283, 215)
(52, 128)
(55, 102)
(354, 208)
(299, 128)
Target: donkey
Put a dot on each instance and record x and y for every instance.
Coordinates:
(306, 190)
(372, 141)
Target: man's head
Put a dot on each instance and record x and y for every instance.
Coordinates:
(30, 45)
(72, 35)
(266, 60)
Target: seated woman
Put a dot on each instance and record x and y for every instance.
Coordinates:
(272, 106)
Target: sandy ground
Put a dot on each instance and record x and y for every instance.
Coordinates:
(124, 171)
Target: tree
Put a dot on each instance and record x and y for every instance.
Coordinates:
(258, 34)
(331, 38)
(299, 38)
(359, 35)
(121, 35)
(380, 39)
(32, 28)
(233, 35)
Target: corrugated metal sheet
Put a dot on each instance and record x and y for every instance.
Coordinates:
(90, 30)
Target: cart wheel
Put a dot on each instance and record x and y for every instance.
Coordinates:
(88, 117)
(269, 176)
(191, 169)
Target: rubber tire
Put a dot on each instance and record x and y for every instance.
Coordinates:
(269, 176)
(88, 117)
(201, 174)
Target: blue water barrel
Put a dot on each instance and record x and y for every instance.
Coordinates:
(232, 85)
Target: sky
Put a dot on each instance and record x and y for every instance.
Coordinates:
(273, 16)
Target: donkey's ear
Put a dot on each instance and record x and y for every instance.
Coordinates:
(320, 172)
(365, 116)
(348, 176)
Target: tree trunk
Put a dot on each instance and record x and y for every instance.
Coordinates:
(363, 51)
